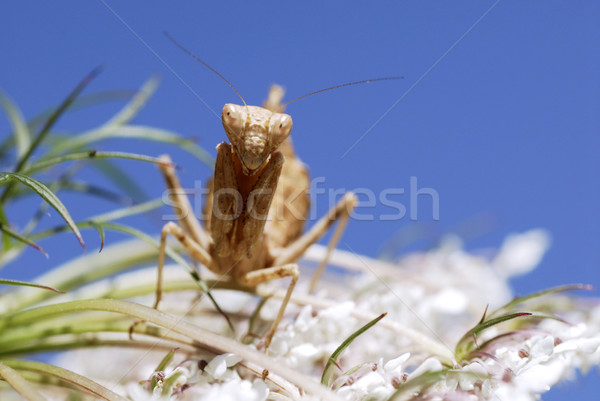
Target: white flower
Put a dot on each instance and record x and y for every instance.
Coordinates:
(429, 365)
(217, 367)
(233, 390)
(374, 382)
(522, 252)
(439, 295)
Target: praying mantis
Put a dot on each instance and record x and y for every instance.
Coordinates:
(257, 203)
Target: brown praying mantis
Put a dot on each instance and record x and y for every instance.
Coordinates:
(257, 202)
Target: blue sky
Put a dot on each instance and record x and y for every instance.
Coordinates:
(498, 110)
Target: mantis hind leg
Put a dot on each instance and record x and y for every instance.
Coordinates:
(340, 212)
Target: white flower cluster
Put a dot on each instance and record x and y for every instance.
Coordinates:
(431, 299)
(201, 381)
(442, 294)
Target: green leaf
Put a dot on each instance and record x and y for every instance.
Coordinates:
(467, 342)
(85, 101)
(81, 102)
(98, 220)
(416, 386)
(161, 368)
(22, 161)
(514, 333)
(47, 195)
(82, 187)
(21, 238)
(169, 383)
(128, 211)
(67, 376)
(555, 290)
(135, 105)
(178, 259)
(121, 118)
(121, 179)
(100, 230)
(327, 376)
(21, 131)
(54, 117)
(146, 238)
(115, 258)
(19, 383)
(134, 132)
(6, 243)
(4, 281)
(165, 361)
(92, 154)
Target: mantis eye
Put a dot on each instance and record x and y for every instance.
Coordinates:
(281, 126)
(232, 117)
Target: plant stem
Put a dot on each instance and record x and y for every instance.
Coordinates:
(203, 338)
(81, 382)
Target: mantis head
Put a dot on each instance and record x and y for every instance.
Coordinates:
(255, 133)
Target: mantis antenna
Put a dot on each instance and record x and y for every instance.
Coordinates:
(204, 63)
(364, 81)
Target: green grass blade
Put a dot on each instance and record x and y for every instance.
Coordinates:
(4, 281)
(161, 368)
(19, 383)
(92, 154)
(121, 118)
(136, 104)
(165, 361)
(467, 342)
(67, 376)
(85, 101)
(98, 220)
(416, 386)
(201, 338)
(166, 136)
(169, 383)
(6, 243)
(102, 221)
(116, 258)
(22, 161)
(109, 216)
(47, 195)
(133, 132)
(148, 239)
(128, 211)
(121, 179)
(81, 187)
(20, 238)
(21, 132)
(327, 376)
(81, 102)
(554, 290)
(100, 230)
(54, 117)
(178, 259)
